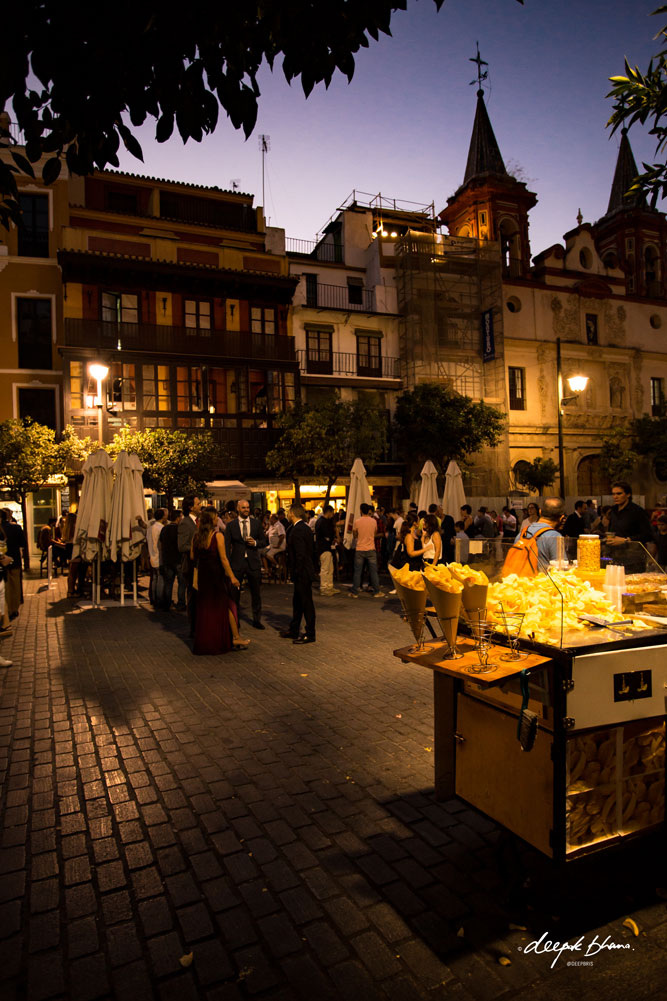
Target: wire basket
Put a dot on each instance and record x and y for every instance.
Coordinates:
(482, 632)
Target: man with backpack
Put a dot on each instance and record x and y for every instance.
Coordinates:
(537, 544)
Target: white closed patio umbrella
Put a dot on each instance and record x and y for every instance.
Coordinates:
(359, 493)
(92, 517)
(127, 521)
(454, 496)
(92, 520)
(428, 491)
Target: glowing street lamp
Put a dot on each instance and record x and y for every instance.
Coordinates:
(577, 384)
(98, 372)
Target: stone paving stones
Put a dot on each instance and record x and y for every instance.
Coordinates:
(271, 813)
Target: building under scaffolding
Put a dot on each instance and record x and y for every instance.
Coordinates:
(450, 305)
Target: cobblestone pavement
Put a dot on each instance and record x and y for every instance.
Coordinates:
(269, 815)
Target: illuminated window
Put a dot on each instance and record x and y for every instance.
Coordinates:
(188, 388)
(123, 390)
(156, 387)
(262, 320)
(258, 391)
(76, 385)
(120, 307)
(197, 313)
(280, 386)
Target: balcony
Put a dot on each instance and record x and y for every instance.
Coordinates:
(347, 297)
(346, 363)
(154, 339)
(330, 253)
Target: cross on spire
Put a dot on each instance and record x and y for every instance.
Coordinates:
(481, 74)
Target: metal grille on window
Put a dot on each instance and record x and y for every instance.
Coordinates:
(516, 385)
(657, 396)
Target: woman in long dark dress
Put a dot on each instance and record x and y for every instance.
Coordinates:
(216, 619)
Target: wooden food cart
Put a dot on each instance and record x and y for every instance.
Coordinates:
(596, 772)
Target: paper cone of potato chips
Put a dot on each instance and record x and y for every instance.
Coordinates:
(447, 606)
(475, 585)
(474, 595)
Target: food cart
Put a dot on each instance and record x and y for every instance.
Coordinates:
(595, 774)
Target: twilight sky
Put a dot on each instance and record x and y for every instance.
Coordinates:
(402, 126)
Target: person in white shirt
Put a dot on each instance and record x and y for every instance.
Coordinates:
(509, 524)
(152, 536)
(277, 542)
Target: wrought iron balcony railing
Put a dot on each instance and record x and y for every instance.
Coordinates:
(347, 363)
(157, 339)
(331, 253)
(347, 297)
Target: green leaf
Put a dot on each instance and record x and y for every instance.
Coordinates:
(23, 164)
(164, 128)
(51, 170)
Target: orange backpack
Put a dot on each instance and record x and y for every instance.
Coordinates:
(523, 557)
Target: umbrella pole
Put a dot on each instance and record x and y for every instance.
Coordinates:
(98, 589)
(49, 565)
(134, 581)
(122, 582)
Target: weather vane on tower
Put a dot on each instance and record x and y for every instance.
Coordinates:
(481, 74)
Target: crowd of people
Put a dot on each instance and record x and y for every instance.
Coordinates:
(618, 525)
(198, 558)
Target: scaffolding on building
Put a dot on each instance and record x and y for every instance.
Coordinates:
(447, 287)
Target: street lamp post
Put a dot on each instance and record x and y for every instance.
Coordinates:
(99, 372)
(577, 384)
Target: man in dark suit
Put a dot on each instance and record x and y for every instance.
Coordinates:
(184, 536)
(302, 561)
(244, 537)
(574, 523)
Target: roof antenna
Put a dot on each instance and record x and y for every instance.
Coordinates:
(265, 146)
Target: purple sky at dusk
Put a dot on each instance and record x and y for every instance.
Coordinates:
(402, 127)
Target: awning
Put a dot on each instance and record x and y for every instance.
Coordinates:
(228, 490)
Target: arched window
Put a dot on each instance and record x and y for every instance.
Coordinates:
(652, 270)
(610, 260)
(510, 248)
(589, 477)
(519, 467)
